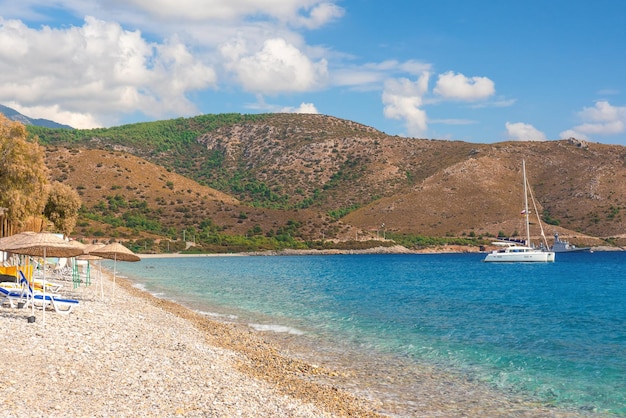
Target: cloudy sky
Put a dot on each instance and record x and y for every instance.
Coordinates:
(471, 70)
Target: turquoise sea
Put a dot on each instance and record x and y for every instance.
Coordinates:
(554, 333)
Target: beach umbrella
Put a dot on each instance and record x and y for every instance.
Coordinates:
(116, 252)
(44, 244)
(14, 239)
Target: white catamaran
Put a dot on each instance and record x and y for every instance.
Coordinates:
(514, 252)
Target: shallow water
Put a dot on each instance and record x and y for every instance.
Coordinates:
(554, 332)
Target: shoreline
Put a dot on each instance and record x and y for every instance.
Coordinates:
(396, 249)
(138, 353)
(296, 370)
(133, 354)
(262, 360)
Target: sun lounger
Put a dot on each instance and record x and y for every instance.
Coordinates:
(59, 304)
(50, 286)
(13, 296)
(11, 285)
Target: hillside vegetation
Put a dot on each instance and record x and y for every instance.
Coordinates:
(308, 178)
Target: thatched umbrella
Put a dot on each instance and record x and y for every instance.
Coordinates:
(115, 252)
(44, 245)
(14, 239)
(11, 240)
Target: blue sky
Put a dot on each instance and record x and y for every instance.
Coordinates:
(477, 71)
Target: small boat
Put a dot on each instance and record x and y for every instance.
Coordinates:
(565, 247)
(517, 252)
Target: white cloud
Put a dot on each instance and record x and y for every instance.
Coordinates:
(524, 132)
(371, 76)
(608, 92)
(278, 67)
(309, 13)
(459, 87)
(320, 15)
(308, 108)
(96, 72)
(96, 69)
(55, 113)
(102, 71)
(403, 99)
(357, 77)
(602, 119)
(414, 67)
(570, 133)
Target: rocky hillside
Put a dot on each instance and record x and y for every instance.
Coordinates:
(578, 188)
(158, 203)
(316, 169)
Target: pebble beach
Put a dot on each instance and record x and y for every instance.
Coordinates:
(131, 354)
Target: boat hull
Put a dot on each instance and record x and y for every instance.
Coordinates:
(520, 257)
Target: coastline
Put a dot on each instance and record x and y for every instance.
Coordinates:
(396, 249)
(137, 354)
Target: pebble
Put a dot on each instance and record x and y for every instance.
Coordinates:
(117, 358)
(136, 355)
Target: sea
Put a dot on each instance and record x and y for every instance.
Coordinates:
(552, 333)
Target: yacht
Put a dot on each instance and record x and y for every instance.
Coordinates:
(522, 252)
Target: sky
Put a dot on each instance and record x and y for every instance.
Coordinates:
(479, 71)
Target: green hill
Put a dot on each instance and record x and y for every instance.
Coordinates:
(339, 179)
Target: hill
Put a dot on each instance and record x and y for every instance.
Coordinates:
(25, 120)
(338, 179)
(127, 197)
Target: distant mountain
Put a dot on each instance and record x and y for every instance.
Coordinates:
(18, 117)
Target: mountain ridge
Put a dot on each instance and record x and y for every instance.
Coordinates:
(341, 171)
(23, 119)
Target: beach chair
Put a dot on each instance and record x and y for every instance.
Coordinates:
(39, 300)
(60, 305)
(13, 296)
(50, 286)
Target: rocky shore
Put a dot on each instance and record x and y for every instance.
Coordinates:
(136, 355)
(141, 356)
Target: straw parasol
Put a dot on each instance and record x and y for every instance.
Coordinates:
(44, 244)
(15, 239)
(115, 252)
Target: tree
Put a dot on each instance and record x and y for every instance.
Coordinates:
(62, 207)
(23, 173)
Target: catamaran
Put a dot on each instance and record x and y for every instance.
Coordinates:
(526, 252)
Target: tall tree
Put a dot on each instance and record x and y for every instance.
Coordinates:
(23, 173)
(62, 207)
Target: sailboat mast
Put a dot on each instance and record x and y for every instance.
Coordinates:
(526, 204)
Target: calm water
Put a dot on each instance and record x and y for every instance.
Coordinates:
(553, 332)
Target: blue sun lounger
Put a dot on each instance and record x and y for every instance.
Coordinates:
(13, 296)
(60, 305)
